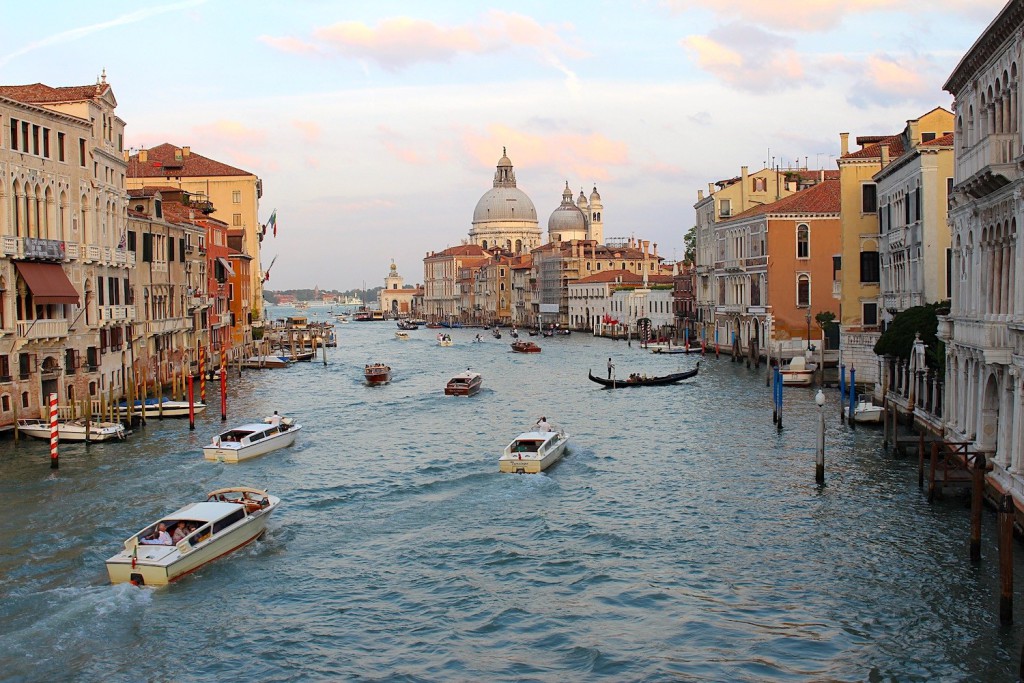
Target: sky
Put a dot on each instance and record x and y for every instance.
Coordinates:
(377, 126)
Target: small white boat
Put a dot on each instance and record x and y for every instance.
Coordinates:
(229, 519)
(165, 407)
(341, 318)
(268, 361)
(866, 411)
(250, 440)
(533, 452)
(72, 430)
(402, 336)
(798, 373)
(444, 340)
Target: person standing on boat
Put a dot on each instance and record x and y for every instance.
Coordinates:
(275, 419)
(543, 425)
(611, 366)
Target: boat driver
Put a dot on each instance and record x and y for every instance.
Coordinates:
(160, 537)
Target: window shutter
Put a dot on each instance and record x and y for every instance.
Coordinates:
(147, 247)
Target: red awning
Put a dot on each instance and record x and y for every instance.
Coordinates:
(48, 282)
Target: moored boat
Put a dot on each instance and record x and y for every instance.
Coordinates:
(250, 440)
(73, 430)
(867, 412)
(266, 361)
(637, 380)
(228, 519)
(533, 452)
(797, 373)
(377, 373)
(525, 347)
(464, 384)
(163, 407)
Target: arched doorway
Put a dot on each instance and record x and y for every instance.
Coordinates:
(987, 436)
(49, 373)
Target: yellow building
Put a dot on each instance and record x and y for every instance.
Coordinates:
(233, 194)
(858, 272)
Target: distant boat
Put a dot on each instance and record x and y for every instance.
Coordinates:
(164, 406)
(266, 362)
(525, 347)
(643, 381)
(377, 373)
(464, 384)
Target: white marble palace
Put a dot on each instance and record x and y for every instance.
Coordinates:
(984, 332)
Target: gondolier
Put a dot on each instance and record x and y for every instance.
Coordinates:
(611, 366)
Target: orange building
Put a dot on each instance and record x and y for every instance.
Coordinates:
(775, 271)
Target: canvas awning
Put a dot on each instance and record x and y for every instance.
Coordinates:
(48, 282)
(227, 265)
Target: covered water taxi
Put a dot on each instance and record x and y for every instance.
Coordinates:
(253, 439)
(534, 451)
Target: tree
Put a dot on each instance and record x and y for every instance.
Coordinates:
(690, 246)
(898, 338)
(826, 321)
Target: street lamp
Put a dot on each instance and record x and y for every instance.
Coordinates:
(808, 329)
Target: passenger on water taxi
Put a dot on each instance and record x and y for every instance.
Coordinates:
(159, 537)
(180, 532)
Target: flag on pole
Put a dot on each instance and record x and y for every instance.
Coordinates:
(273, 222)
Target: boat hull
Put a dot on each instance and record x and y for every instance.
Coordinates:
(227, 453)
(98, 431)
(644, 382)
(867, 415)
(797, 378)
(380, 377)
(168, 409)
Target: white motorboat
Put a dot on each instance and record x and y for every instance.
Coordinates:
(402, 336)
(164, 407)
(268, 361)
(250, 440)
(73, 430)
(867, 412)
(444, 340)
(229, 519)
(533, 452)
(798, 373)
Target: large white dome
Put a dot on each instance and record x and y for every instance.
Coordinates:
(504, 204)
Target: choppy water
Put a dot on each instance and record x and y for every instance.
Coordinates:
(682, 538)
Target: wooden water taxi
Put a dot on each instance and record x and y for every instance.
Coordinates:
(229, 519)
(533, 452)
(464, 384)
(525, 347)
(377, 373)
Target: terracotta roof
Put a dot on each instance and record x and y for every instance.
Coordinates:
(820, 198)
(37, 93)
(625, 276)
(166, 160)
(941, 141)
(461, 250)
(874, 150)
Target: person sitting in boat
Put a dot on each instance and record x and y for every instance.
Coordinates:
(159, 537)
(543, 425)
(180, 532)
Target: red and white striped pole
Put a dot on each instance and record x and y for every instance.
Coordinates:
(191, 405)
(54, 433)
(202, 374)
(223, 394)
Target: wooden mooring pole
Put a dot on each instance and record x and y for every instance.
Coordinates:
(1006, 514)
(977, 495)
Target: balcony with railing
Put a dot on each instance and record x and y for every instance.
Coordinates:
(735, 265)
(42, 329)
(992, 155)
(895, 302)
(116, 314)
(91, 253)
(993, 338)
(154, 327)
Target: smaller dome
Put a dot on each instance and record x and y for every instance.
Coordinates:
(567, 220)
(594, 196)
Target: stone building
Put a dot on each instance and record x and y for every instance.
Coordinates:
(396, 299)
(984, 331)
(505, 217)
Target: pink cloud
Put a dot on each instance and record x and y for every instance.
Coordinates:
(400, 42)
(822, 15)
(578, 155)
(291, 45)
(746, 58)
(233, 132)
(400, 146)
(310, 130)
(884, 79)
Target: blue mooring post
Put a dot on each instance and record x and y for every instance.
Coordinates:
(853, 395)
(775, 395)
(779, 384)
(842, 390)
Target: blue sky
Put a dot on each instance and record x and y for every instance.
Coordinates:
(376, 126)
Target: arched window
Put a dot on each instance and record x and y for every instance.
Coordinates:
(803, 241)
(803, 290)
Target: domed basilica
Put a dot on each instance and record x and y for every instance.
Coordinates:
(505, 216)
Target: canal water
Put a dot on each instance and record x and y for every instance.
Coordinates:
(682, 537)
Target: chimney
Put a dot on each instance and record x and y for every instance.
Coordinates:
(711, 189)
(647, 246)
(143, 156)
(844, 144)
(655, 251)
(821, 176)
(700, 195)
(186, 151)
(885, 155)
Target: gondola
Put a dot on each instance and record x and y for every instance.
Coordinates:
(644, 381)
